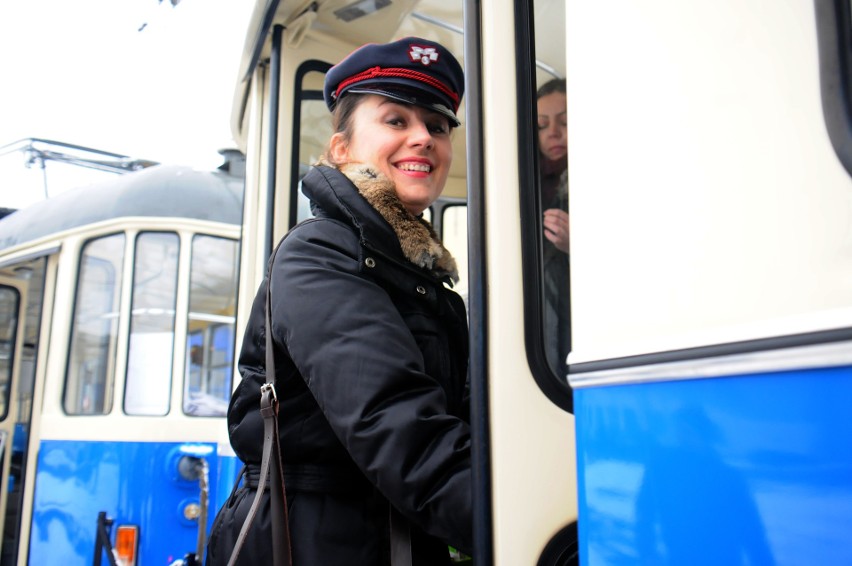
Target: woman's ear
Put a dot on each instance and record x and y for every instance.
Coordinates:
(338, 149)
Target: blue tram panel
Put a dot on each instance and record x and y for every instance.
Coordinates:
(753, 469)
(134, 483)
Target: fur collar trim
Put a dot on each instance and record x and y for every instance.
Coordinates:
(420, 244)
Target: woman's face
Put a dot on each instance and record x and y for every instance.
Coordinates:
(553, 125)
(409, 144)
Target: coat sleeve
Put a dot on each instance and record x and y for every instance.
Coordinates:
(363, 366)
(245, 423)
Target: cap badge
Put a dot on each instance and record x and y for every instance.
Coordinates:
(425, 55)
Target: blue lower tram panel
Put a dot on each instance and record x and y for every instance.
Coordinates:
(749, 469)
(135, 483)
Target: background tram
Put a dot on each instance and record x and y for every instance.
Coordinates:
(117, 306)
(711, 262)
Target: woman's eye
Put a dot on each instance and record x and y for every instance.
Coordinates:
(439, 128)
(395, 121)
(542, 125)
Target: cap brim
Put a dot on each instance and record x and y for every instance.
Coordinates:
(427, 104)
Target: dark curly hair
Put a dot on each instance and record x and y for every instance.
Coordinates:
(551, 86)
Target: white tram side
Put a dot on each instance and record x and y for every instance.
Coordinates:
(118, 305)
(703, 418)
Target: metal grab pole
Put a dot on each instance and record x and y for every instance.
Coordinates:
(204, 501)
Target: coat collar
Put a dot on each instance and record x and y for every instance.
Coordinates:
(417, 240)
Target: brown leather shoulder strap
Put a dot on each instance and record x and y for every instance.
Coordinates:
(281, 553)
(400, 539)
(271, 457)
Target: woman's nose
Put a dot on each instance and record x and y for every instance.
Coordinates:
(554, 130)
(420, 135)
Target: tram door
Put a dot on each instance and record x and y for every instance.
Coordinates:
(12, 315)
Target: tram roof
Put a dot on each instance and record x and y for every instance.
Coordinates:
(170, 191)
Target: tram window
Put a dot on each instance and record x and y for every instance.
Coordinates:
(9, 303)
(152, 324)
(94, 332)
(454, 235)
(210, 324)
(549, 132)
(543, 194)
(33, 272)
(314, 127)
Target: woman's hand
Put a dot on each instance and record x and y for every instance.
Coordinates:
(556, 228)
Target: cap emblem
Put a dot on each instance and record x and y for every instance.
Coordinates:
(425, 55)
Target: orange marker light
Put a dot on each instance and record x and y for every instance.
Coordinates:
(126, 544)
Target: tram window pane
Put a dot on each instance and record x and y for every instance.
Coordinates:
(33, 272)
(9, 303)
(551, 133)
(94, 331)
(314, 131)
(152, 324)
(210, 324)
(454, 235)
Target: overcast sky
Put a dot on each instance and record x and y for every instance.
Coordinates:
(82, 72)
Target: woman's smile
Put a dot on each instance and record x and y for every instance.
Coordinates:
(417, 168)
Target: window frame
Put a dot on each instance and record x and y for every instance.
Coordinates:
(6, 397)
(129, 322)
(206, 334)
(301, 95)
(111, 360)
(556, 388)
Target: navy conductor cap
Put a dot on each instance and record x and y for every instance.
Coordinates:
(412, 70)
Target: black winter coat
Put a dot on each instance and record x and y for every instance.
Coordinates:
(371, 364)
(557, 276)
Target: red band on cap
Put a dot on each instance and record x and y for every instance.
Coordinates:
(399, 72)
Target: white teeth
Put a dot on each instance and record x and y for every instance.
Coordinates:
(415, 167)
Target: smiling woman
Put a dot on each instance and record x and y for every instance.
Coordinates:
(410, 145)
(281, 118)
(370, 346)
